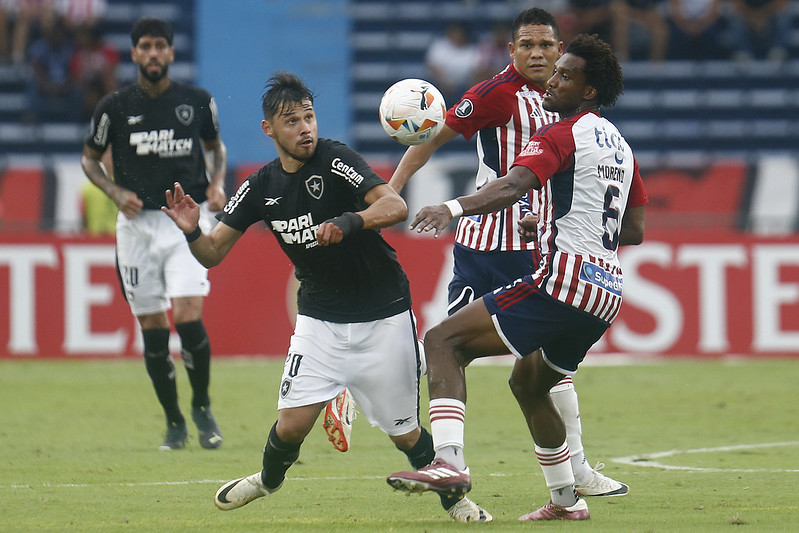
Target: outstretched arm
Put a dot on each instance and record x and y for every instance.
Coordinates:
(209, 249)
(415, 157)
(495, 195)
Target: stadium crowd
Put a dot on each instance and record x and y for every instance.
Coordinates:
(653, 30)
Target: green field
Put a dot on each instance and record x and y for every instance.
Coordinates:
(709, 446)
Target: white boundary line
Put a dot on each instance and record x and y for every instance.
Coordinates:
(647, 460)
(650, 460)
(169, 483)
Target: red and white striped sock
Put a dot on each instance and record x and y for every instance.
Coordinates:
(447, 420)
(558, 474)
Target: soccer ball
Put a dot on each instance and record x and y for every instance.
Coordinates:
(412, 111)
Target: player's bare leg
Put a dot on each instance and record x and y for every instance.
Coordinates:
(588, 481)
(549, 433)
(450, 346)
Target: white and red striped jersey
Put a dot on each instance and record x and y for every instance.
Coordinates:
(504, 112)
(589, 177)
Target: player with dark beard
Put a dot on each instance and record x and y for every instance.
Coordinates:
(160, 131)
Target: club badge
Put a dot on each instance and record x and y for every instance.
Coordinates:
(185, 114)
(315, 186)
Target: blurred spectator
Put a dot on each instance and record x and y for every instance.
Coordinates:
(19, 19)
(93, 66)
(695, 29)
(759, 29)
(586, 16)
(493, 52)
(451, 62)
(639, 25)
(77, 13)
(51, 92)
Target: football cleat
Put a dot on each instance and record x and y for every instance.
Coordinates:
(210, 434)
(601, 485)
(468, 511)
(339, 414)
(578, 511)
(176, 435)
(438, 477)
(240, 492)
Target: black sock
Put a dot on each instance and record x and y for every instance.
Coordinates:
(197, 360)
(422, 454)
(278, 457)
(162, 372)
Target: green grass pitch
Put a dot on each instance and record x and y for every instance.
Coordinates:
(706, 446)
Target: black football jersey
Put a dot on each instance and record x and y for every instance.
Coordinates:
(156, 141)
(356, 280)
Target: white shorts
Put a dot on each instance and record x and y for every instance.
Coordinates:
(377, 361)
(155, 263)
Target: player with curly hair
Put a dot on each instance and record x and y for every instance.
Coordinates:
(593, 202)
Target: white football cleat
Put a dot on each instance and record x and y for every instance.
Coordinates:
(468, 511)
(240, 492)
(601, 485)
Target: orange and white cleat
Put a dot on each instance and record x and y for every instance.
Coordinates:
(339, 415)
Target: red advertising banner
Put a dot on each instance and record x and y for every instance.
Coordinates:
(685, 294)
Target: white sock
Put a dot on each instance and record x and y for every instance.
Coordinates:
(558, 474)
(447, 421)
(564, 396)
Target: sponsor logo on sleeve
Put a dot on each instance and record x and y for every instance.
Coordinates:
(533, 148)
(464, 109)
(237, 198)
(340, 168)
(101, 133)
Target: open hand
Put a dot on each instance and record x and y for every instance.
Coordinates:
(182, 209)
(432, 217)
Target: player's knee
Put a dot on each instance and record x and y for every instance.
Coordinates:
(524, 387)
(439, 341)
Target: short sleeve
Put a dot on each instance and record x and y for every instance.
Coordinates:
(474, 113)
(100, 128)
(240, 212)
(355, 172)
(548, 152)
(210, 125)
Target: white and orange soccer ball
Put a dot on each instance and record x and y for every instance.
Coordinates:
(412, 111)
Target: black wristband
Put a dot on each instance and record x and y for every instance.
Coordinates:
(347, 222)
(194, 235)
